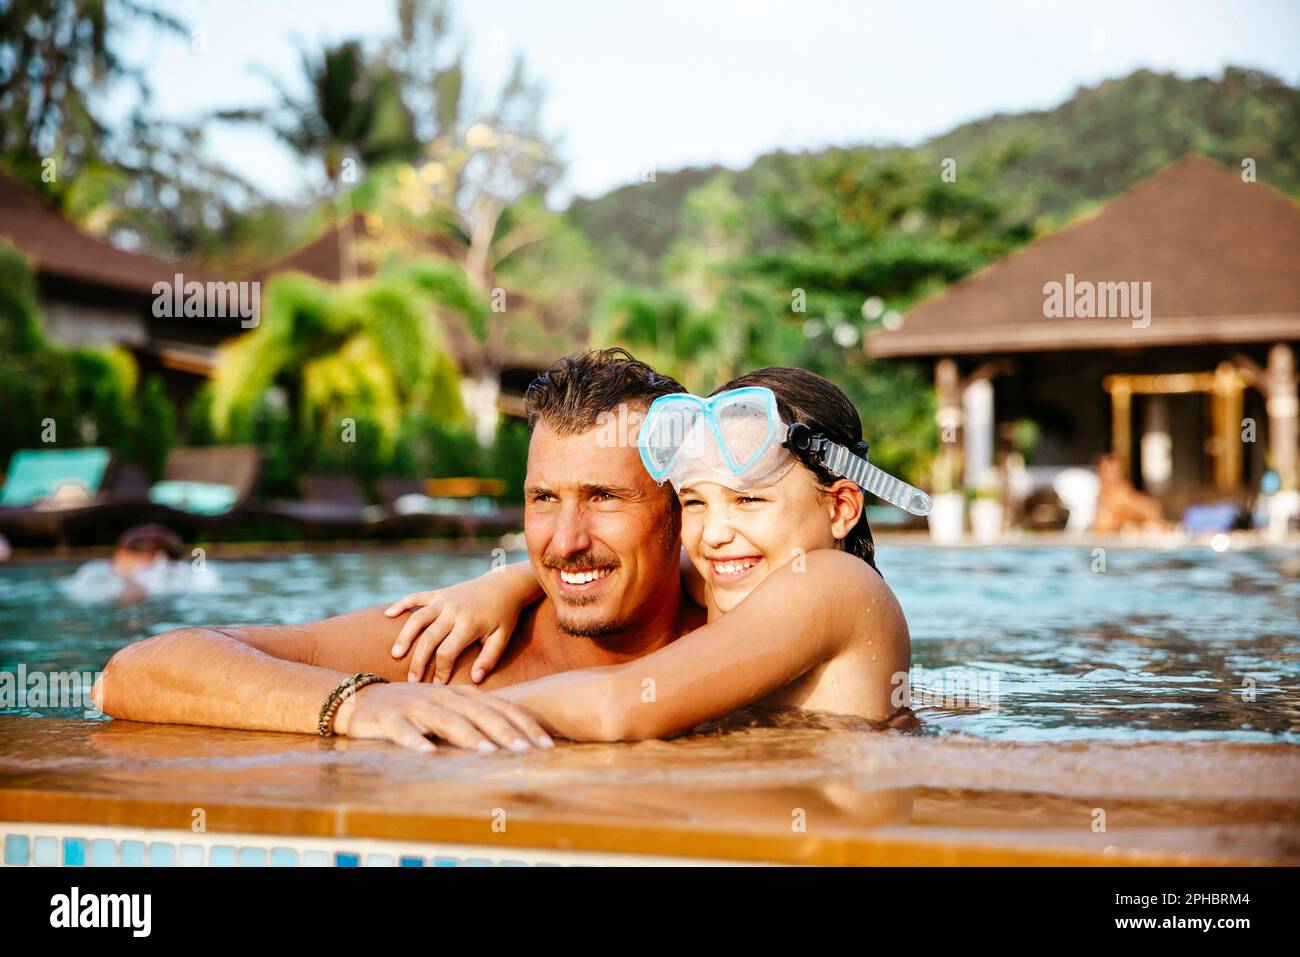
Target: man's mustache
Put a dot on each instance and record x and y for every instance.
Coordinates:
(586, 562)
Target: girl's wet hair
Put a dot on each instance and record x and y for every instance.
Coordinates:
(803, 396)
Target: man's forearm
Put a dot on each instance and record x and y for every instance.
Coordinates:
(201, 676)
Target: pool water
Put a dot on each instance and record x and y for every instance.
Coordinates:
(1160, 694)
(1008, 644)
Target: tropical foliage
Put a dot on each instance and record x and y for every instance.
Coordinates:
(797, 258)
(342, 373)
(74, 396)
(464, 271)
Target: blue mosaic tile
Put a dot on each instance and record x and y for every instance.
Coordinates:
(284, 857)
(162, 855)
(513, 864)
(412, 862)
(103, 853)
(221, 855)
(132, 853)
(18, 847)
(191, 855)
(380, 860)
(45, 852)
(346, 860)
(316, 859)
(445, 862)
(74, 852)
(252, 857)
(477, 862)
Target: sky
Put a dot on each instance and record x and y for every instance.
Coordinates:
(634, 86)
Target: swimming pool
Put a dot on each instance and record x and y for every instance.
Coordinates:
(1050, 680)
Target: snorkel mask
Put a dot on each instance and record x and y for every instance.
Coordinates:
(738, 439)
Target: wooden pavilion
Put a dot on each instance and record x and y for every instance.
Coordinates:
(1162, 328)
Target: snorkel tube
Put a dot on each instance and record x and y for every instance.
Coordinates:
(813, 448)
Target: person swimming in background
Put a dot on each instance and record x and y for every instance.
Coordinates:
(777, 539)
(146, 562)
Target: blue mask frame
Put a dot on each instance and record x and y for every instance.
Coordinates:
(760, 394)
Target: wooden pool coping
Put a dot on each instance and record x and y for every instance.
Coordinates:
(129, 775)
(668, 840)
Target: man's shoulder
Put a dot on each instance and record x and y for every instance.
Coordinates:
(525, 657)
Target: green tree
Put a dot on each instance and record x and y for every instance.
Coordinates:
(90, 395)
(341, 367)
(138, 179)
(353, 110)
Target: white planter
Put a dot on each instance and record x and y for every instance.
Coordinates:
(986, 519)
(947, 518)
(1281, 506)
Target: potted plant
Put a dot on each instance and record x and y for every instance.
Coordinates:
(985, 513)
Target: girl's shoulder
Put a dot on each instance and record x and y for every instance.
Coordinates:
(837, 569)
(831, 575)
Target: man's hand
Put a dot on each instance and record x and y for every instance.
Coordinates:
(462, 715)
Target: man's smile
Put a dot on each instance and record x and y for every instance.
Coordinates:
(585, 577)
(581, 582)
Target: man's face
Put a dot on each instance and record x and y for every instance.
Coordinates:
(602, 536)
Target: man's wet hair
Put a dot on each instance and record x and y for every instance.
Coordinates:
(574, 393)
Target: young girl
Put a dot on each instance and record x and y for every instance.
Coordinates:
(781, 557)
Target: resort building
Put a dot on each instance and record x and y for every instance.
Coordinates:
(92, 293)
(1162, 328)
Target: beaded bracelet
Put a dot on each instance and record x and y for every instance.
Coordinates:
(340, 694)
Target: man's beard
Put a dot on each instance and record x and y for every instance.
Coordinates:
(599, 628)
(594, 629)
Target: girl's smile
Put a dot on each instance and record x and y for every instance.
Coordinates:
(737, 539)
(731, 569)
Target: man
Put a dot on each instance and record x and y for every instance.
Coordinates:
(139, 551)
(145, 564)
(590, 507)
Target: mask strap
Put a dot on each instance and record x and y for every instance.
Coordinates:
(816, 449)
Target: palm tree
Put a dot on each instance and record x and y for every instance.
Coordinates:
(353, 113)
(477, 172)
(56, 62)
(369, 350)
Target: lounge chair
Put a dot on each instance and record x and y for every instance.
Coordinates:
(1077, 489)
(330, 503)
(201, 488)
(44, 487)
(466, 513)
